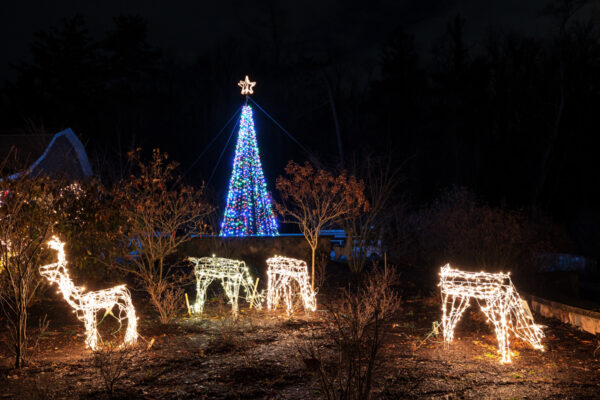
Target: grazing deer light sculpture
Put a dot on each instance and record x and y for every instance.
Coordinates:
(232, 273)
(499, 301)
(88, 304)
(282, 272)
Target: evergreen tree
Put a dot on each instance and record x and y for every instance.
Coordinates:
(249, 211)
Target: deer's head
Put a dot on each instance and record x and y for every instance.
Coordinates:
(53, 271)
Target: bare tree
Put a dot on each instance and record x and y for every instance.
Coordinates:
(365, 229)
(158, 219)
(563, 11)
(314, 199)
(30, 206)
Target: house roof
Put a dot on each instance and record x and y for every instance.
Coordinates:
(59, 155)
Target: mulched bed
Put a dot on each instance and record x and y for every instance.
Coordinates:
(212, 358)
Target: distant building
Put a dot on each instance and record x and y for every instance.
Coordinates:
(59, 156)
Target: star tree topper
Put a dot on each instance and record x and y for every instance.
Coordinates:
(246, 86)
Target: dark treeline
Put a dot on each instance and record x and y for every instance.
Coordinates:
(512, 118)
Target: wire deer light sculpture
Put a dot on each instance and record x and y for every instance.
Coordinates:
(232, 273)
(499, 301)
(282, 271)
(87, 305)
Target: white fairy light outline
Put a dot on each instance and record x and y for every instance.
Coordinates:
(247, 86)
(232, 273)
(87, 305)
(499, 301)
(282, 271)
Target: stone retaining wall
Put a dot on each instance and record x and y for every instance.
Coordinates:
(253, 250)
(580, 318)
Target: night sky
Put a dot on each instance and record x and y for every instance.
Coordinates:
(355, 30)
(460, 93)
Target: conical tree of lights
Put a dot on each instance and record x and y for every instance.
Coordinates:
(249, 211)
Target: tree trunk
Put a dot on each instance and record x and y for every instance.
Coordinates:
(18, 345)
(20, 326)
(313, 267)
(21, 339)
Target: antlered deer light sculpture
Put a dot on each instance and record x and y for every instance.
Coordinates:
(282, 272)
(499, 301)
(87, 305)
(232, 273)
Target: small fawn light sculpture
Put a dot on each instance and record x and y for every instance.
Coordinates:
(232, 273)
(499, 301)
(87, 305)
(282, 272)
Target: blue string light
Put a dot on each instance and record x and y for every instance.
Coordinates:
(249, 210)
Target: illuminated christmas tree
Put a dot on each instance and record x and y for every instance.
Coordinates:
(249, 211)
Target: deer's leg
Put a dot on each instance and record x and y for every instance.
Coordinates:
(277, 295)
(497, 314)
(272, 290)
(307, 294)
(232, 290)
(287, 295)
(451, 313)
(521, 323)
(91, 330)
(202, 284)
(131, 334)
(445, 327)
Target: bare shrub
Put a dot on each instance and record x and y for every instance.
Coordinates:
(227, 324)
(462, 230)
(167, 298)
(159, 215)
(356, 330)
(227, 336)
(111, 362)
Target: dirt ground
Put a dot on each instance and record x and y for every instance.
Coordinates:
(257, 358)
